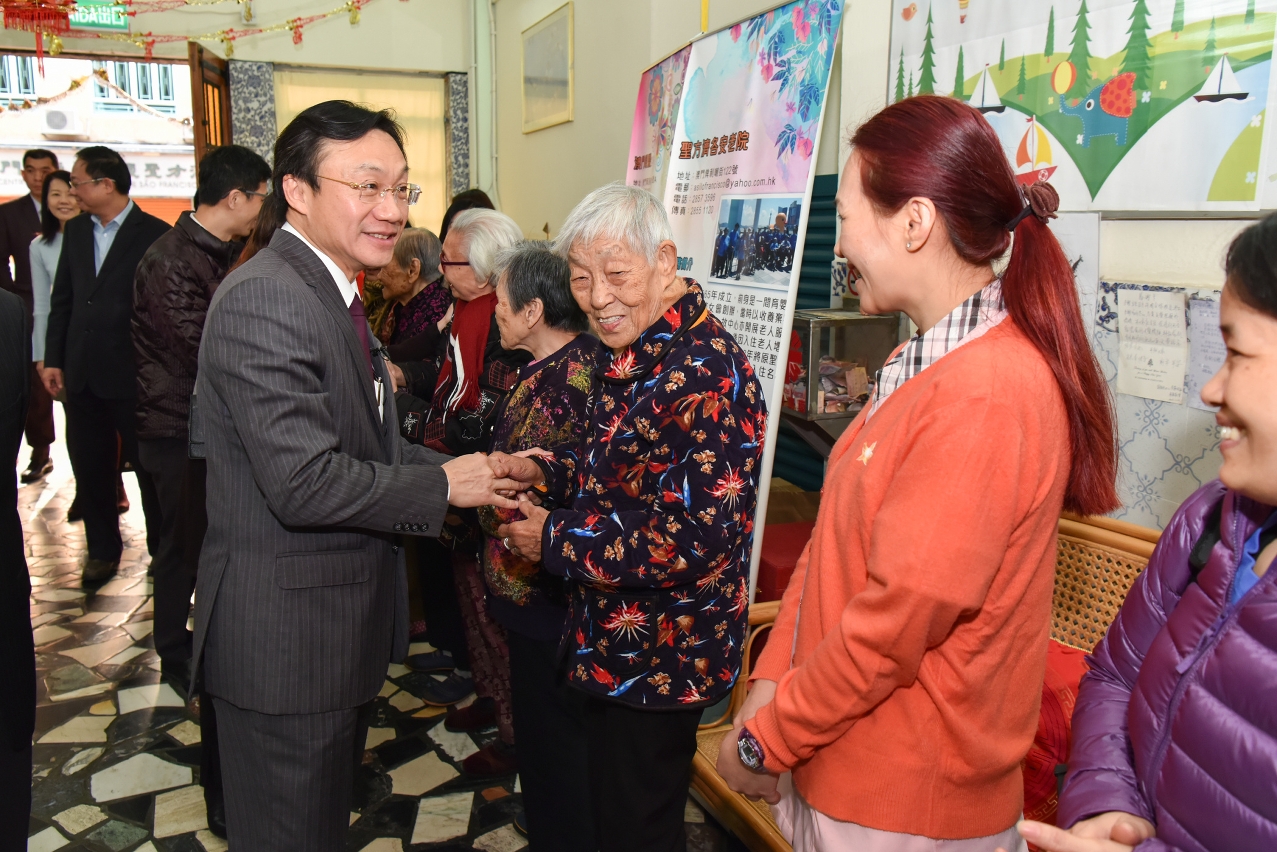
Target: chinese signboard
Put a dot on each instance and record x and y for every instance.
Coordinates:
(156, 174)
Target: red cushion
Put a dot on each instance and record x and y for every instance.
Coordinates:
(782, 545)
(1064, 669)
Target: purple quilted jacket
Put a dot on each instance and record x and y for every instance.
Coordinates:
(1177, 720)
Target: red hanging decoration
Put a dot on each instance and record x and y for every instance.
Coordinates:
(297, 30)
(39, 17)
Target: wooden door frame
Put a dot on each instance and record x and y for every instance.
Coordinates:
(211, 121)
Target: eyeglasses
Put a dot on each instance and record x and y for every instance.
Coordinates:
(405, 193)
(251, 193)
(445, 263)
(77, 184)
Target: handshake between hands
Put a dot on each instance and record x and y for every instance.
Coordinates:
(501, 480)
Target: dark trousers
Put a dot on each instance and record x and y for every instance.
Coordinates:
(39, 417)
(92, 426)
(549, 726)
(210, 757)
(179, 485)
(444, 627)
(15, 796)
(640, 767)
(289, 780)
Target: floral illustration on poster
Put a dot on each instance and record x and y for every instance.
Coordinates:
(1124, 105)
(660, 90)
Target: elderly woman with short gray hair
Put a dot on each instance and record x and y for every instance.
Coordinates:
(656, 540)
(418, 299)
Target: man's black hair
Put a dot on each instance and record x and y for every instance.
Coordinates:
(229, 168)
(40, 154)
(299, 148)
(1251, 265)
(102, 162)
(534, 271)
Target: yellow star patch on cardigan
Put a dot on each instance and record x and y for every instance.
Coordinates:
(866, 453)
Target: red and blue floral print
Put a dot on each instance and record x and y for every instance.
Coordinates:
(659, 534)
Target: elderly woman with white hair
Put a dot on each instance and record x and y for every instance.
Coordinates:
(656, 541)
(450, 405)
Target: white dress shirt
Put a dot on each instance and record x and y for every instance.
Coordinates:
(349, 292)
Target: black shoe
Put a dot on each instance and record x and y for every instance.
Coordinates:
(216, 817)
(99, 570)
(37, 470)
(455, 687)
(435, 661)
(73, 512)
(521, 821)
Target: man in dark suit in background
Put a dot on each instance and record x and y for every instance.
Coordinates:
(89, 347)
(19, 224)
(17, 650)
(302, 598)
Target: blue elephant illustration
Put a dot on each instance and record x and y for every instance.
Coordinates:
(1105, 110)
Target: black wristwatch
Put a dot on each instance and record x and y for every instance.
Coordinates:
(750, 751)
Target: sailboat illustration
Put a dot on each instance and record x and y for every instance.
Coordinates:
(1033, 157)
(1221, 84)
(985, 97)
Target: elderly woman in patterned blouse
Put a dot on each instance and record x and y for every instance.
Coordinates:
(413, 285)
(656, 540)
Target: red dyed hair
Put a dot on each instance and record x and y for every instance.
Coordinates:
(942, 149)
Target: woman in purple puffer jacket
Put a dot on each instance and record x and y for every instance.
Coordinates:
(1175, 731)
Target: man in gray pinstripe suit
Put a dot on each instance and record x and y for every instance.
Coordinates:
(301, 600)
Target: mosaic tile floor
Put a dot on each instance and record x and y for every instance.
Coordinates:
(116, 763)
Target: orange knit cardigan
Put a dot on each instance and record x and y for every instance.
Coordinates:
(911, 643)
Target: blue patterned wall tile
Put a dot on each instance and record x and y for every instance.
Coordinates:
(457, 127)
(253, 106)
(1166, 451)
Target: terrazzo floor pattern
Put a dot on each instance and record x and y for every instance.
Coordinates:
(116, 755)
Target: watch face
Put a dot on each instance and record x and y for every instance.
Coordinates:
(749, 753)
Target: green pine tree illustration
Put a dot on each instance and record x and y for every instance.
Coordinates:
(1080, 55)
(1177, 18)
(927, 79)
(1002, 57)
(900, 77)
(1022, 84)
(1250, 13)
(1137, 46)
(911, 92)
(959, 83)
(1050, 34)
(1209, 53)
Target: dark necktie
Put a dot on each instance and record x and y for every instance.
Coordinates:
(360, 320)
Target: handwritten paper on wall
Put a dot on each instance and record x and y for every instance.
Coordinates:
(1152, 344)
(1206, 349)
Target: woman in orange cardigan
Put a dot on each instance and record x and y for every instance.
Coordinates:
(899, 689)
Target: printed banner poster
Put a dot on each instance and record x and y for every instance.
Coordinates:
(660, 90)
(1124, 105)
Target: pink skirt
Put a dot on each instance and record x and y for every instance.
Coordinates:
(808, 830)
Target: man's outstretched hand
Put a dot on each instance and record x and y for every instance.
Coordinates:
(520, 468)
(473, 482)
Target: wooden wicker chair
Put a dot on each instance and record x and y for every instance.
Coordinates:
(1098, 560)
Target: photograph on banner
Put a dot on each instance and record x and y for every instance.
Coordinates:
(756, 239)
(743, 157)
(660, 90)
(1123, 105)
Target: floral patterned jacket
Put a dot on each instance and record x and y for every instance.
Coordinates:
(549, 408)
(658, 537)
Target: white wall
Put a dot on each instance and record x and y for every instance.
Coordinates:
(418, 35)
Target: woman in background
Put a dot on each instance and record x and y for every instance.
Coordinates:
(1175, 734)
(548, 410)
(412, 283)
(899, 691)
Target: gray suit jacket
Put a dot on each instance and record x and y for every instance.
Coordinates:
(301, 599)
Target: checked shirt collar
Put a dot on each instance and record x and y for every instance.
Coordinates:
(965, 323)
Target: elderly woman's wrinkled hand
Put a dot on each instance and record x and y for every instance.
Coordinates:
(518, 468)
(1114, 831)
(523, 538)
(750, 784)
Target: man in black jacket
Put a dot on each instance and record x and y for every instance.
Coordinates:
(89, 347)
(19, 223)
(174, 284)
(17, 651)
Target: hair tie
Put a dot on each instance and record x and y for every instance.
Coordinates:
(1041, 200)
